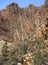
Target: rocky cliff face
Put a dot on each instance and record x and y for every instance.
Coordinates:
(24, 35)
(17, 24)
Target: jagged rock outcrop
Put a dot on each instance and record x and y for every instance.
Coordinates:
(24, 35)
(17, 24)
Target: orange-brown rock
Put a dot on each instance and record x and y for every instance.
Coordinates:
(17, 24)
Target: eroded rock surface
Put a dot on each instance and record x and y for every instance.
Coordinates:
(17, 24)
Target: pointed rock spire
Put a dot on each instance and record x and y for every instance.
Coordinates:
(13, 4)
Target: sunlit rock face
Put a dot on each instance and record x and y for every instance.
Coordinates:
(17, 24)
(1, 45)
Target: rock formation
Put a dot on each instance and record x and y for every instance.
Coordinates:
(24, 35)
(17, 24)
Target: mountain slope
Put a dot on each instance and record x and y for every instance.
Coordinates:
(17, 24)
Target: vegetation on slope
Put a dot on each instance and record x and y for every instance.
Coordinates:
(32, 53)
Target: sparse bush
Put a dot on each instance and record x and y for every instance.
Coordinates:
(36, 48)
